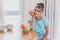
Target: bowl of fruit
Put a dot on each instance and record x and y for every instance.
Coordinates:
(25, 28)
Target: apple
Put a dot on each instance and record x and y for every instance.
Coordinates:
(22, 26)
(27, 28)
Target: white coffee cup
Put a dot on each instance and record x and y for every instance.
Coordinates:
(9, 26)
(2, 28)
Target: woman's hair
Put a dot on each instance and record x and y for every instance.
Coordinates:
(40, 5)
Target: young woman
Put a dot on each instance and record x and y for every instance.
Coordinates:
(39, 22)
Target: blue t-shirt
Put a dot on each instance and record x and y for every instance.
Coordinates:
(40, 26)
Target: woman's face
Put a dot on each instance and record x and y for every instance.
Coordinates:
(37, 11)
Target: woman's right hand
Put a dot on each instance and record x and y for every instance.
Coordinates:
(32, 13)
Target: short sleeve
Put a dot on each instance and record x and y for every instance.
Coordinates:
(46, 23)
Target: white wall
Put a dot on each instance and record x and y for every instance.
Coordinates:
(11, 5)
(1, 18)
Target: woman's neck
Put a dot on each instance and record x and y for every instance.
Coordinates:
(39, 17)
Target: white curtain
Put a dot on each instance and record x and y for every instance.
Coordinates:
(50, 14)
(57, 20)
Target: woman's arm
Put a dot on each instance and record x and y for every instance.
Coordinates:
(46, 35)
(31, 22)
